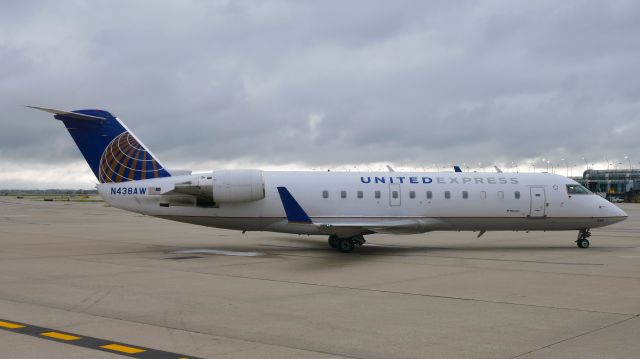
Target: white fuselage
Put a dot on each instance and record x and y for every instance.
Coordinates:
(432, 201)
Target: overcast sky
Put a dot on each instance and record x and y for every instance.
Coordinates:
(323, 84)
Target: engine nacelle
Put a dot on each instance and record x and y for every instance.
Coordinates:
(226, 186)
(230, 186)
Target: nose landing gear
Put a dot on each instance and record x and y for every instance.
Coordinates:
(582, 240)
(345, 244)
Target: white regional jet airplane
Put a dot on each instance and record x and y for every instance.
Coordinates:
(343, 205)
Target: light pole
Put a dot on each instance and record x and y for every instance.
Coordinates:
(585, 162)
(628, 159)
(567, 164)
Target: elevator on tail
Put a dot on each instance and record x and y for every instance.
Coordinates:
(345, 206)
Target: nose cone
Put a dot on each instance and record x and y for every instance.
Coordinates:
(611, 212)
(618, 213)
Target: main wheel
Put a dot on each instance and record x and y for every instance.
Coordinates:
(333, 241)
(582, 243)
(345, 245)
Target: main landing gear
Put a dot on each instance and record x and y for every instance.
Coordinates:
(345, 244)
(582, 240)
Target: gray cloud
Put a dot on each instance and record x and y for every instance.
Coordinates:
(327, 83)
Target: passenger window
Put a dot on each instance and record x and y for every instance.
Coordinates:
(325, 194)
(377, 194)
(483, 195)
(394, 194)
(360, 194)
(447, 194)
(412, 194)
(465, 194)
(429, 195)
(343, 194)
(517, 194)
(500, 195)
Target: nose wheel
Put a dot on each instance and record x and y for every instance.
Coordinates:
(582, 241)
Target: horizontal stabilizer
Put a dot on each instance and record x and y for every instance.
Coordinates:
(74, 115)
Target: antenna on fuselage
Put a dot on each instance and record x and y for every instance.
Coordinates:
(497, 169)
(390, 169)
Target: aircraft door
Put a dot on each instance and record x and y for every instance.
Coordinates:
(394, 194)
(538, 202)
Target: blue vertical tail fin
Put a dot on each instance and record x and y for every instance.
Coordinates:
(112, 151)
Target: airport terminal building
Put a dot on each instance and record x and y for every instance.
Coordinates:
(622, 183)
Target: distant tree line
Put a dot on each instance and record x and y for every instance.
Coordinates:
(42, 192)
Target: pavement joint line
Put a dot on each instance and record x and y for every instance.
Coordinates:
(430, 295)
(577, 336)
(417, 254)
(515, 269)
(381, 290)
(134, 351)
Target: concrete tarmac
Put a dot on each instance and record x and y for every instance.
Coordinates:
(92, 270)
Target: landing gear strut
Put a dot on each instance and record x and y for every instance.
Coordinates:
(345, 244)
(582, 240)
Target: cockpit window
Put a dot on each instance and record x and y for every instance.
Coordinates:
(577, 189)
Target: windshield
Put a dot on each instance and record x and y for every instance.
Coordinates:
(577, 189)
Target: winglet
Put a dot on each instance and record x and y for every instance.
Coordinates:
(294, 212)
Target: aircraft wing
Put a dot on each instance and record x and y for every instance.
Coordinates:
(403, 226)
(297, 216)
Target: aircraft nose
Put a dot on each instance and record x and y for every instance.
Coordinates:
(619, 212)
(613, 212)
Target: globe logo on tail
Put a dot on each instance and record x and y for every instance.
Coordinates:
(125, 159)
